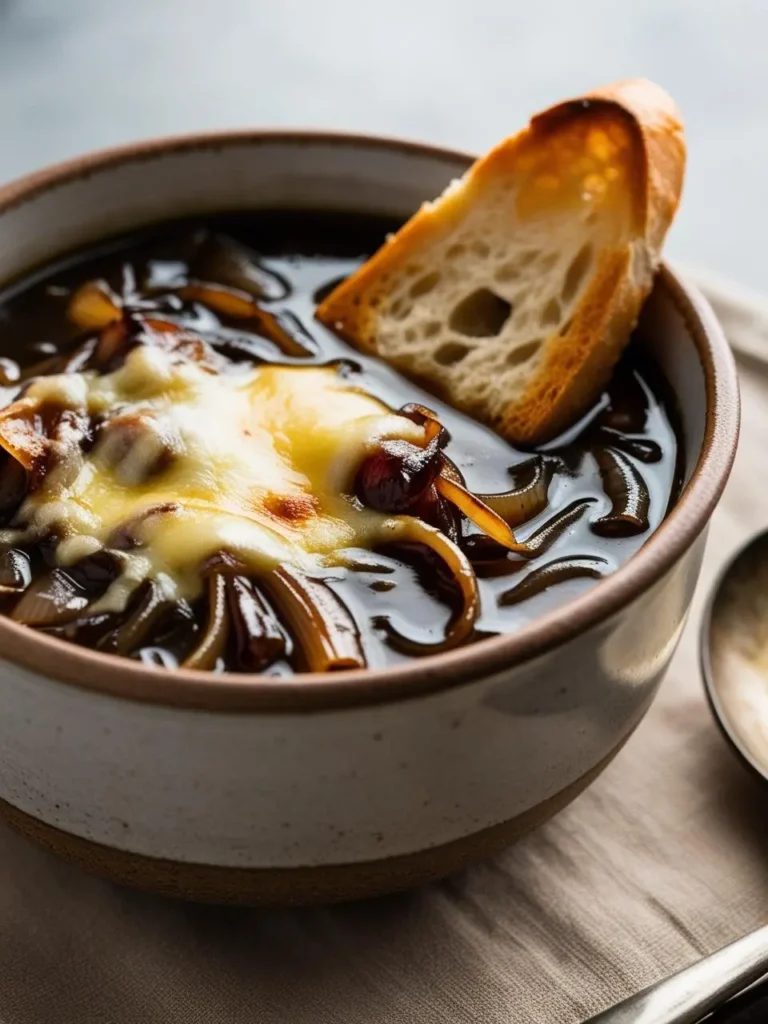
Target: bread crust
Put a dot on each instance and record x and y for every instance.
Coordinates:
(632, 129)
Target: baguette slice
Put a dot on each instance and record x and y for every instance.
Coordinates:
(513, 294)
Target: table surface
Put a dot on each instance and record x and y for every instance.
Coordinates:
(80, 74)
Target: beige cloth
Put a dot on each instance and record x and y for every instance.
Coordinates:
(664, 859)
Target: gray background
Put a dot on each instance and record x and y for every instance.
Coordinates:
(78, 74)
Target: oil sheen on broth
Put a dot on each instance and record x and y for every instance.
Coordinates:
(611, 478)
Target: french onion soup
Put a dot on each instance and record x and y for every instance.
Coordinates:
(196, 472)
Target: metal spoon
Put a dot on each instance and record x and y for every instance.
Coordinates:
(687, 996)
(734, 652)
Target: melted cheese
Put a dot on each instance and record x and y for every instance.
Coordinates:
(191, 463)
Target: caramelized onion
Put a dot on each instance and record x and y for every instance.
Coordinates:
(51, 600)
(113, 342)
(95, 572)
(628, 492)
(526, 501)
(544, 537)
(87, 629)
(413, 531)
(424, 417)
(560, 570)
(451, 471)
(15, 572)
(325, 634)
(214, 640)
(21, 432)
(282, 329)
(434, 510)
(159, 325)
(30, 433)
(93, 306)
(396, 475)
(229, 302)
(258, 638)
(481, 515)
(140, 624)
(642, 448)
(491, 559)
(225, 261)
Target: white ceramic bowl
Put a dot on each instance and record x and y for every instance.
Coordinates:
(321, 787)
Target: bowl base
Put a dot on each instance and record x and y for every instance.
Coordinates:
(301, 886)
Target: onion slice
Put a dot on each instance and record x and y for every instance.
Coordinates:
(541, 540)
(51, 600)
(93, 306)
(408, 530)
(560, 570)
(326, 635)
(527, 501)
(628, 492)
(434, 510)
(113, 342)
(225, 261)
(214, 640)
(644, 449)
(480, 514)
(424, 417)
(21, 432)
(395, 476)
(258, 637)
(489, 559)
(237, 305)
(15, 572)
(138, 626)
(229, 302)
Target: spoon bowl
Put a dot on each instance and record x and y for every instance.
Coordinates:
(734, 652)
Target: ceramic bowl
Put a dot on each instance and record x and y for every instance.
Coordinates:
(245, 788)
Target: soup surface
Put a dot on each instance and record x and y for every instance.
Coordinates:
(194, 471)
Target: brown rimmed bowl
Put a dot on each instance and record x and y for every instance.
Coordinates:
(250, 789)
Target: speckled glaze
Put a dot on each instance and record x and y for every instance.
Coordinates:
(331, 786)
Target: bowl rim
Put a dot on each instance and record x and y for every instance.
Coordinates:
(60, 661)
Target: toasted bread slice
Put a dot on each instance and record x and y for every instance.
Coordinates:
(514, 293)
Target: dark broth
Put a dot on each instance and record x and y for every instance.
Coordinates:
(306, 253)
